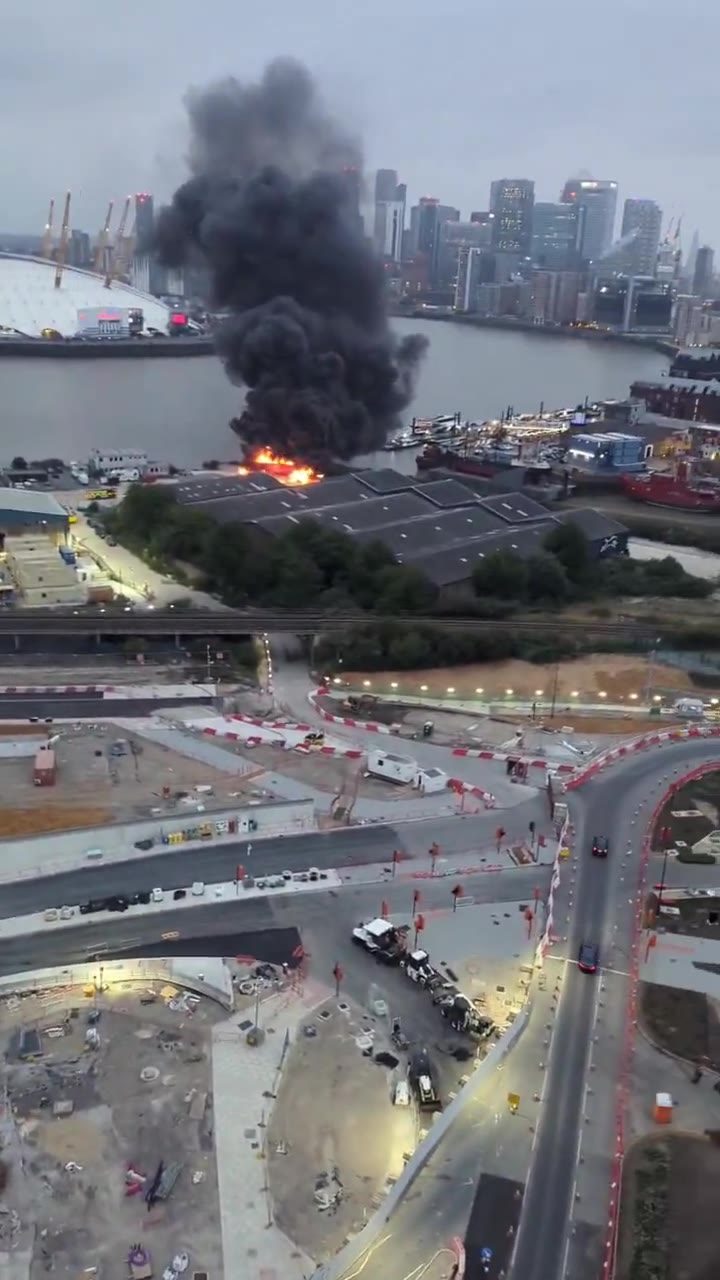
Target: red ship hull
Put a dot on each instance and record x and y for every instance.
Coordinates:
(669, 491)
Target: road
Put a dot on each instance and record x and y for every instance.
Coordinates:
(175, 868)
(85, 707)
(617, 804)
(247, 927)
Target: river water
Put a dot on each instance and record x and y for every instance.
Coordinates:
(178, 409)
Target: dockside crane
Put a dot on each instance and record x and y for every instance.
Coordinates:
(99, 260)
(47, 243)
(116, 257)
(62, 247)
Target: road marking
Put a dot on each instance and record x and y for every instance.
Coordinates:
(565, 1258)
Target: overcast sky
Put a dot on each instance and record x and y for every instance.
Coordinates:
(452, 93)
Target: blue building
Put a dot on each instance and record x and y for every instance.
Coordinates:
(609, 451)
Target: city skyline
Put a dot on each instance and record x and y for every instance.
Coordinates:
(112, 91)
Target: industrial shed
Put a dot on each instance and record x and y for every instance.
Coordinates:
(22, 510)
(442, 527)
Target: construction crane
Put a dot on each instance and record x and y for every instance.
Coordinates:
(99, 261)
(117, 255)
(47, 244)
(62, 247)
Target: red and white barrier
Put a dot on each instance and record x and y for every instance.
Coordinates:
(623, 1090)
(369, 726)
(480, 754)
(274, 735)
(548, 937)
(466, 789)
(627, 749)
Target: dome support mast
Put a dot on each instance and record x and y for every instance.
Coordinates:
(62, 247)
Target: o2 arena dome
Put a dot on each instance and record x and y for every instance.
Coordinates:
(82, 304)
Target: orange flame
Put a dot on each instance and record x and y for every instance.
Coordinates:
(283, 469)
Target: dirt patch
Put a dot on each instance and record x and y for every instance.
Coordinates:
(669, 1224)
(347, 1137)
(616, 675)
(46, 818)
(686, 1023)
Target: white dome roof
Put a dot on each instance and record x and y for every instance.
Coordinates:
(29, 301)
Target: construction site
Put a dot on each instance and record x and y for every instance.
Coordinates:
(108, 1163)
(104, 774)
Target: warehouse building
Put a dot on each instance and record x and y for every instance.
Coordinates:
(23, 510)
(442, 527)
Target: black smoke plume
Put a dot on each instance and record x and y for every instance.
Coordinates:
(271, 209)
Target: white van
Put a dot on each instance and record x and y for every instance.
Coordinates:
(690, 707)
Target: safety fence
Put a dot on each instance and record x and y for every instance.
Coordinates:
(548, 937)
(631, 1021)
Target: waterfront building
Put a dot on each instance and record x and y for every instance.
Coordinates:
(703, 273)
(597, 198)
(556, 236)
(641, 226)
(511, 203)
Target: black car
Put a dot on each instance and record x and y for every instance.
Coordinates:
(600, 847)
(588, 957)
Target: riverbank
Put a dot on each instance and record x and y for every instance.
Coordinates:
(512, 324)
(106, 348)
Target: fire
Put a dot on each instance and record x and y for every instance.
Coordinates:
(283, 469)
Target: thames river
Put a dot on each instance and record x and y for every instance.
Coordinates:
(178, 410)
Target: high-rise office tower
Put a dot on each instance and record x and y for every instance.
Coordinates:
(389, 215)
(556, 234)
(386, 184)
(144, 220)
(353, 184)
(511, 203)
(642, 220)
(703, 273)
(598, 198)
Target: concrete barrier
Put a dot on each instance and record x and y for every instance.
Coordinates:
(209, 976)
(355, 1248)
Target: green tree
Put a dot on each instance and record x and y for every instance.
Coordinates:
(547, 580)
(568, 544)
(502, 574)
(403, 590)
(409, 650)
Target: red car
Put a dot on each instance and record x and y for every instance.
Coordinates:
(588, 957)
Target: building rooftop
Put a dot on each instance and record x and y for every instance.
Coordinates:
(205, 487)
(30, 502)
(367, 514)
(455, 563)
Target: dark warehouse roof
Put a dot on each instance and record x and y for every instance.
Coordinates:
(204, 488)
(443, 527)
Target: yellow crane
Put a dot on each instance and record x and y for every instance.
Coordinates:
(117, 255)
(47, 244)
(62, 247)
(99, 260)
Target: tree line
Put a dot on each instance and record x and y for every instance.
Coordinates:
(309, 566)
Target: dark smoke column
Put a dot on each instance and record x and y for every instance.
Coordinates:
(270, 211)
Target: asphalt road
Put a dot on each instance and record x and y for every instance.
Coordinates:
(76, 706)
(175, 868)
(603, 899)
